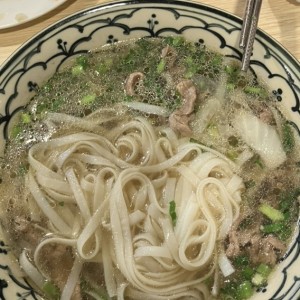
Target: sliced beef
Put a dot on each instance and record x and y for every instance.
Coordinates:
(262, 110)
(24, 233)
(261, 249)
(166, 51)
(265, 250)
(170, 55)
(233, 248)
(131, 82)
(58, 261)
(179, 123)
(187, 90)
(179, 119)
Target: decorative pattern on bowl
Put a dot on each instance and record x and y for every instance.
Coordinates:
(40, 57)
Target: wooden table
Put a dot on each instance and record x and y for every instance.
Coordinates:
(279, 18)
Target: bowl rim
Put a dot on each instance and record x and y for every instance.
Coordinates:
(189, 4)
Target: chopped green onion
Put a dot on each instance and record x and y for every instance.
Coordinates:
(47, 87)
(177, 41)
(232, 69)
(241, 261)
(22, 170)
(259, 162)
(288, 141)
(258, 279)
(96, 292)
(286, 202)
(172, 212)
(250, 183)
(41, 108)
(245, 290)
(77, 70)
(189, 73)
(287, 199)
(82, 60)
(189, 61)
(88, 99)
(212, 130)
(128, 98)
(247, 273)
(144, 44)
(228, 291)
(217, 60)
(287, 215)
(230, 87)
(105, 66)
(285, 234)
(273, 228)
(232, 155)
(51, 290)
(25, 117)
(191, 67)
(209, 281)
(256, 91)
(270, 212)
(129, 59)
(264, 270)
(246, 222)
(57, 104)
(161, 66)
(261, 275)
(16, 130)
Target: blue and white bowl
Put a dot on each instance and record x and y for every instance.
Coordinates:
(36, 61)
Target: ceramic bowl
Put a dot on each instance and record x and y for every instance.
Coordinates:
(32, 64)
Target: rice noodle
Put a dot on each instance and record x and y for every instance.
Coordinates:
(121, 187)
(148, 108)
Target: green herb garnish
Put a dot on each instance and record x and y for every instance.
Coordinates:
(172, 212)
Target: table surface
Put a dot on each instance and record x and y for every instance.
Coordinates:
(279, 18)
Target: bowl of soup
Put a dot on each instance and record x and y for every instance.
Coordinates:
(139, 162)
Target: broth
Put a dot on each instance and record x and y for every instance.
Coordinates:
(151, 168)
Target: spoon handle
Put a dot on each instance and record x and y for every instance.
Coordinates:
(250, 32)
(246, 23)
